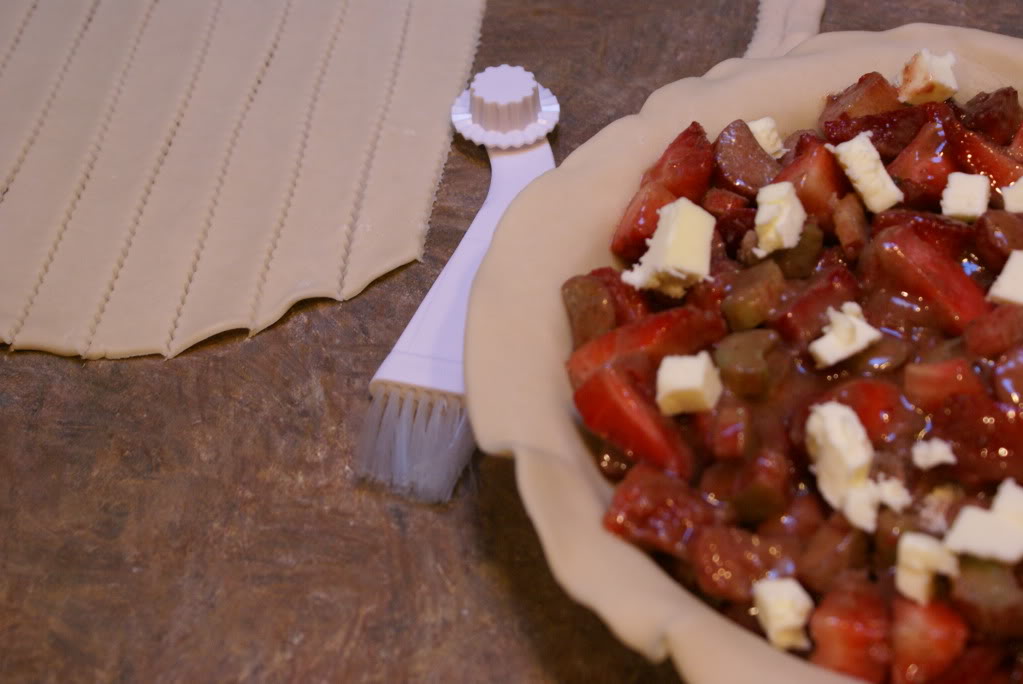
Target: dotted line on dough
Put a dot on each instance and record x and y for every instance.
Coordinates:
(16, 41)
(165, 147)
(369, 154)
(37, 127)
(296, 174)
(95, 148)
(232, 143)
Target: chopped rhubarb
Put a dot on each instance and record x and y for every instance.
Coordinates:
(658, 511)
(743, 166)
(871, 94)
(764, 486)
(995, 332)
(950, 235)
(755, 293)
(926, 639)
(800, 520)
(682, 330)
(728, 560)
(733, 225)
(818, 179)
(997, 114)
(805, 315)
(1008, 377)
(719, 201)
(741, 359)
(801, 260)
(976, 154)
(835, 547)
(986, 437)
(851, 227)
(727, 429)
(590, 311)
(1015, 148)
(616, 403)
(925, 164)
(686, 165)
(977, 665)
(990, 597)
(851, 629)
(930, 385)
(924, 269)
(628, 302)
(639, 221)
(998, 233)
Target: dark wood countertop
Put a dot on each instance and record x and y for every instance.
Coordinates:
(197, 519)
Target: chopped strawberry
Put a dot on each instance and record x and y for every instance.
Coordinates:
(878, 405)
(733, 225)
(818, 179)
(997, 114)
(976, 665)
(986, 437)
(588, 304)
(658, 511)
(1015, 148)
(835, 547)
(850, 629)
(682, 330)
(925, 164)
(616, 403)
(976, 154)
(764, 486)
(728, 560)
(890, 131)
(929, 385)
(995, 332)
(804, 316)
(742, 164)
(1008, 376)
(720, 202)
(629, 303)
(796, 143)
(685, 166)
(998, 233)
(639, 221)
(727, 429)
(851, 227)
(950, 235)
(871, 94)
(926, 640)
(922, 268)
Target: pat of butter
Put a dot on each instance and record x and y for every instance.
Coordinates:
(846, 335)
(862, 164)
(919, 557)
(765, 130)
(840, 449)
(678, 253)
(1012, 196)
(780, 218)
(783, 609)
(1008, 287)
(966, 196)
(928, 78)
(686, 384)
(931, 453)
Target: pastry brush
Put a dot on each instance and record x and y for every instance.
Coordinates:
(416, 437)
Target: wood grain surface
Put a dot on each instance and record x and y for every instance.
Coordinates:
(197, 519)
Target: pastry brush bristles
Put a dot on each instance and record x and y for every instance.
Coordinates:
(415, 441)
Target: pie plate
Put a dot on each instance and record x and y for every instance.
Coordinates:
(518, 339)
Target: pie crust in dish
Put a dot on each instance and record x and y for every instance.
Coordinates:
(517, 338)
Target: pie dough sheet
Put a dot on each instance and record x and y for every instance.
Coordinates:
(178, 168)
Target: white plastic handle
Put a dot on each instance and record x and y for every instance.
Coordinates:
(430, 350)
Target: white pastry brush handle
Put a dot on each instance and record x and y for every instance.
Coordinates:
(429, 352)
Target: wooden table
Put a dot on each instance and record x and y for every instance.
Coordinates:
(197, 519)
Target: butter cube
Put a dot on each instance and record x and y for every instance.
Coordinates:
(861, 503)
(966, 196)
(862, 164)
(894, 494)
(765, 130)
(678, 253)
(846, 335)
(686, 384)
(931, 453)
(985, 534)
(919, 557)
(1008, 287)
(841, 452)
(780, 218)
(1008, 502)
(783, 609)
(1012, 196)
(928, 78)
